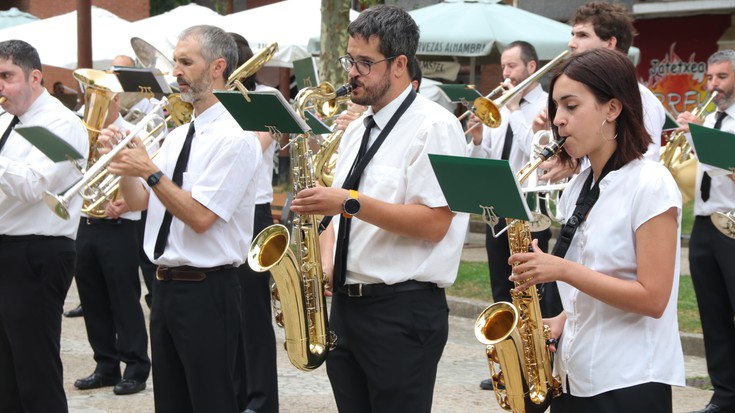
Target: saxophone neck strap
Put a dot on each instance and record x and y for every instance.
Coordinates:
(587, 198)
(353, 181)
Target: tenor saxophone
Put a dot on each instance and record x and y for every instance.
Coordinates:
(514, 333)
(298, 297)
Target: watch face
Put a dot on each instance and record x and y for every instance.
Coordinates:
(352, 206)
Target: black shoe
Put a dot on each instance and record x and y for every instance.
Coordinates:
(95, 381)
(128, 386)
(77, 312)
(486, 384)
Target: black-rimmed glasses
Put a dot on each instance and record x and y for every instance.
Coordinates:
(363, 67)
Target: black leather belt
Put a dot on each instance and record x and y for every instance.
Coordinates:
(105, 221)
(186, 273)
(24, 238)
(372, 290)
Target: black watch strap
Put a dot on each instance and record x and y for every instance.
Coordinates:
(154, 179)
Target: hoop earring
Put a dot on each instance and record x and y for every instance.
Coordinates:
(602, 135)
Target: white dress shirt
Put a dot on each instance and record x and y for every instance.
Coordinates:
(654, 116)
(264, 174)
(722, 187)
(400, 173)
(602, 347)
(220, 175)
(521, 122)
(25, 172)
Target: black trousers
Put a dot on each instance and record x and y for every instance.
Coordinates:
(712, 263)
(34, 278)
(195, 331)
(109, 289)
(258, 373)
(643, 398)
(498, 252)
(146, 266)
(388, 349)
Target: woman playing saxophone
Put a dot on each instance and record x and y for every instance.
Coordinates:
(618, 346)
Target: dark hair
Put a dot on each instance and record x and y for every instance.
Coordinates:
(415, 69)
(528, 52)
(244, 53)
(394, 27)
(21, 54)
(608, 74)
(214, 43)
(608, 20)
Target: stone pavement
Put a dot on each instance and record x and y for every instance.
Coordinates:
(461, 369)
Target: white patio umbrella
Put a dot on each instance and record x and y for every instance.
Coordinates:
(162, 31)
(473, 29)
(55, 38)
(291, 23)
(14, 17)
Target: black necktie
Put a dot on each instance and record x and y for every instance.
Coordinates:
(706, 179)
(178, 179)
(509, 138)
(7, 131)
(343, 235)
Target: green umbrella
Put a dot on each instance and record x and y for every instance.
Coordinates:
(14, 17)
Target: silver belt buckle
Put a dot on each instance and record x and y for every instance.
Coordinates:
(350, 290)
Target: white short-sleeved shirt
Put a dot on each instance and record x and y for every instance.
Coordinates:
(521, 122)
(400, 173)
(654, 116)
(264, 174)
(25, 172)
(220, 175)
(722, 187)
(602, 347)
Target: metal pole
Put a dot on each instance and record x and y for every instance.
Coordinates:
(84, 33)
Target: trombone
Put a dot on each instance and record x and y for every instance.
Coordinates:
(488, 111)
(494, 92)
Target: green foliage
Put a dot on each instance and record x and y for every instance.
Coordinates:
(687, 218)
(688, 311)
(161, 6)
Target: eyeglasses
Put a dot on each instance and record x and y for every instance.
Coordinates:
(363, 67)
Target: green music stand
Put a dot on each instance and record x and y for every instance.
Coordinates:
(714, 147)
(486, 187)
(306, 73)
(57, 149)
(263, 111)
(146, 81)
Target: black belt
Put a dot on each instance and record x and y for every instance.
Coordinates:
(187, 273)
(371, 290)
(24, 238)
(105, 221)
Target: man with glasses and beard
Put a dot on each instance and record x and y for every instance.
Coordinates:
(396, 244)
(200, 197)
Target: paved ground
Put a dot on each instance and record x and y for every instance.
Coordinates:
(461, 369)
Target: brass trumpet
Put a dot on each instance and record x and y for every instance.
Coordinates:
(677, 156)
(488, 111)
(59, 203)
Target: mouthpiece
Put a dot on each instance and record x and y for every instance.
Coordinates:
(552, 148)
(2, 99)
(344, 89)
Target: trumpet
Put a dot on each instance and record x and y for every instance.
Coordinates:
(59, 203)
(492, 93)
(488, 111)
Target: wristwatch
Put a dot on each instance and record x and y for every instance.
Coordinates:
(351, 206)
(154, 179)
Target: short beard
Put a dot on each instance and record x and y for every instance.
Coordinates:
(372, 96)
(198, 89)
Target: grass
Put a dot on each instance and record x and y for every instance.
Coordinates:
(473, 282)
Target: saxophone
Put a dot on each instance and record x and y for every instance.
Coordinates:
(299, 302)
(514, 333)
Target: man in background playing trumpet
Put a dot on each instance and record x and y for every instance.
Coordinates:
(109, 287)
(512, 141)
(711, 257)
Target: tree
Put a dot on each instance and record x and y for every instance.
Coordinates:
(335, 18)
